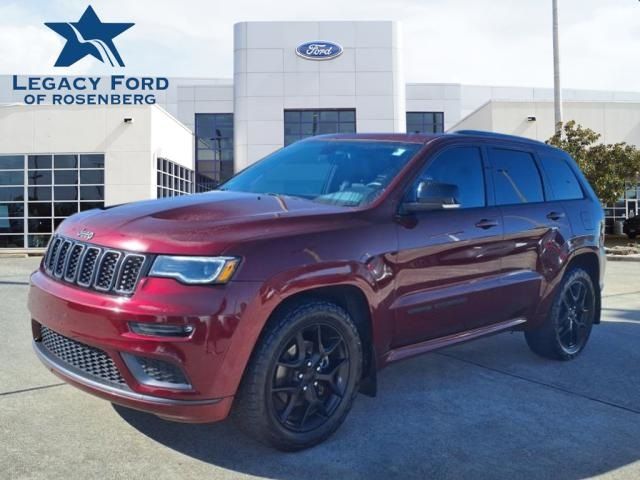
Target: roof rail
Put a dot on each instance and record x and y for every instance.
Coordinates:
(482, 133)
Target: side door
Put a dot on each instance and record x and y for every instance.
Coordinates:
(448, 263)
(536, 228)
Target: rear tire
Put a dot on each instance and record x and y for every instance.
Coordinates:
(566, 331)
(302, 377)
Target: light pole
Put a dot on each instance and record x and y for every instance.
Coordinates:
(557, 90)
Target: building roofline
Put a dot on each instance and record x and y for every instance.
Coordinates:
(452, 128)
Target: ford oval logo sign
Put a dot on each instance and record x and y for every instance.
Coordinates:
(319, 50)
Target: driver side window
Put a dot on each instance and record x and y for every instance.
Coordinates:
(460, 166)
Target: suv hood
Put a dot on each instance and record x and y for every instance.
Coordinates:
(205, 223)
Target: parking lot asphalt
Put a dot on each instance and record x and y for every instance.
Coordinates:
(485, 409)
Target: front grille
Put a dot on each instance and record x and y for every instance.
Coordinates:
(89, 360)
(89, 266)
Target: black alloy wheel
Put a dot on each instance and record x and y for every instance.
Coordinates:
(303, 376)
(566, 330)
(310, 378)
(576, 315)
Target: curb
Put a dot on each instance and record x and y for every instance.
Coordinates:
(623, 258)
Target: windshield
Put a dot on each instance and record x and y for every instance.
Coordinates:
(349, 173)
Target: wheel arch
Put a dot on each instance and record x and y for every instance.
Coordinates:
(354, 301)
(590, 262)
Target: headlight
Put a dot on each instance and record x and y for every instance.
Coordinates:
(195, 270)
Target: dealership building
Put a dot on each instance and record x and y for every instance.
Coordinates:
(69, 144)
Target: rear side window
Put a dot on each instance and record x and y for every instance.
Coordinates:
(516, 177)
(461, 166)
(563, 182)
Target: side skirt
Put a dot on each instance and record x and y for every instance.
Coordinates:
(433, 344)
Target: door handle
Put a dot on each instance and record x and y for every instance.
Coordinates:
(486, 224)
(555, 216)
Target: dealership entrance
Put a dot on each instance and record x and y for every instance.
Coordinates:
(632, 208)
(626, 207)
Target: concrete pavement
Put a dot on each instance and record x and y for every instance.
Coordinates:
(487, 409)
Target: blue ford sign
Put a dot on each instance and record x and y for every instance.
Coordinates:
(319, 50)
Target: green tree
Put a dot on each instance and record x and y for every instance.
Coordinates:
(608, 167)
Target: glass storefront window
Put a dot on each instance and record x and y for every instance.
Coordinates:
(299, 124)
(173, 179)
(623, 208)
(425, 122)
(37, 192)
(214, 146)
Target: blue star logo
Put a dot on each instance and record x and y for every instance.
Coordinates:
(89, 36)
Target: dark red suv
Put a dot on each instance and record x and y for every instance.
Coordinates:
(278, 297)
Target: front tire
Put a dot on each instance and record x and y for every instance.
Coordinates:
(566, 331)
(302, 377)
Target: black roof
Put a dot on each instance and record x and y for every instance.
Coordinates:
(499, 136)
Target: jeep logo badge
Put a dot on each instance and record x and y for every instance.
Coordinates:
(319, 50)
(85, 234)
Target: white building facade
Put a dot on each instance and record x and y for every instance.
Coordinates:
(200, 131)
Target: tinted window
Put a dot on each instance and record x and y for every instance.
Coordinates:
(92, 161)
(564, 184)
(214, 146)
(11, 162)
(516, 176)
(425, 122)
(65, 161)
(39, 161)
(11, 178)
(461, 166)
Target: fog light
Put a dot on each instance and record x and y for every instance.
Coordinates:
(156, 373)
(161, 329)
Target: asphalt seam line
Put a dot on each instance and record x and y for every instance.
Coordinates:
(543, 384)
(24, 390)
(621, 294)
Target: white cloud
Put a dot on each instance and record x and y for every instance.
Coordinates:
(501, 42)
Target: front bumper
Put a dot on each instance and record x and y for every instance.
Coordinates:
(193, 411)
(208, 357)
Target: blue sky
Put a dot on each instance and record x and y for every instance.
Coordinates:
(499, 42)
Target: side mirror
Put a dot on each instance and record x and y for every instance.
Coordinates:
(433, 196)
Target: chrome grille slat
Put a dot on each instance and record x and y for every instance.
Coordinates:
(106, 271)
(103, 269)
(73, 262)
(54, 244)
(61, 258)
(129, 273)
(87, 267)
